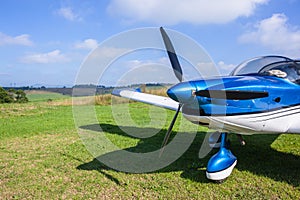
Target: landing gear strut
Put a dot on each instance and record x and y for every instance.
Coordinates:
(221, 164)
(241, 139)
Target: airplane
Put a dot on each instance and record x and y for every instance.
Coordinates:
(260, 96)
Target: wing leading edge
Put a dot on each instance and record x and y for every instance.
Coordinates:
(164, 102)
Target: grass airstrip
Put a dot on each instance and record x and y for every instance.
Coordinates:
(42, 156)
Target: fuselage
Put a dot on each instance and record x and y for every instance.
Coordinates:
(276, 112)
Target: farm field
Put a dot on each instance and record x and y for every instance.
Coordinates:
(43, 157)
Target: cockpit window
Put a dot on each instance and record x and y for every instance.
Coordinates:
(286, 70)
(255, 64)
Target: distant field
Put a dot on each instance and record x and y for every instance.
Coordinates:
(43, 157)
(40, 95)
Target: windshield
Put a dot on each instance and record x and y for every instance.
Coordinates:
(254, 65)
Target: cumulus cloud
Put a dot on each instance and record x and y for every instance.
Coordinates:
(45, 58)
(88, 44)
(68, 14)
(17, 40)
(275, 33)
(170, 12)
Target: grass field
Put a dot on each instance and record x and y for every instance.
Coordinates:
(42, 157)
(40, 96)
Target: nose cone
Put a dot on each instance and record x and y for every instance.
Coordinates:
(182, 92)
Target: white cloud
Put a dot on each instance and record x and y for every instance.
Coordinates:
(144, 71)
(224, 68)
(170, 12)
(138, 63)
(4, 74)
(88, 44)
(45, 58)
(275, 33)
(209, 69)
(68, 14)
(107, 53)
(17, 40)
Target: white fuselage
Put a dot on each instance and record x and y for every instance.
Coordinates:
(285, 120)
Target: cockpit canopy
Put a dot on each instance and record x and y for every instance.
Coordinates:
(278, 66)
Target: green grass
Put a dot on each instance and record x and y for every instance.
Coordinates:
(26, 120)
(42, 157)
(40, 96)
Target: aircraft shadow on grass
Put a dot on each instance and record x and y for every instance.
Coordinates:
(257, 157)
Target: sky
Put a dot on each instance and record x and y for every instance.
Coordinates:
(45, 43)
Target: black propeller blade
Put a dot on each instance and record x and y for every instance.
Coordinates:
(167, 136)
(178, 73)
(172, 55)
(231, 94)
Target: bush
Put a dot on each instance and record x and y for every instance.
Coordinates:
(5, 97)
(11, 96)
(21, 96)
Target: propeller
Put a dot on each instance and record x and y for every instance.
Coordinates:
(172, 55)
(231, 94)
(167, 136)
(178, 73)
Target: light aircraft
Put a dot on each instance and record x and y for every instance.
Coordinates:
(261, 95)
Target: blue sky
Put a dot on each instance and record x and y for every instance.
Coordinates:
(45, 42)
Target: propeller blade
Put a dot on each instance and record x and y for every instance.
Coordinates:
(172, 55)
(231, 94)
(167, 136)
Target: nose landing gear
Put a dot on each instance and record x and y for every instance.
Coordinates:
(221, 164)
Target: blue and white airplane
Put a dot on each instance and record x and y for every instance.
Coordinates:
(261, 95)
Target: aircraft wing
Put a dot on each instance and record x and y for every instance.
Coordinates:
(164, 102)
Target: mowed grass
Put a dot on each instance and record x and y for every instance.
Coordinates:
(43, 157)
